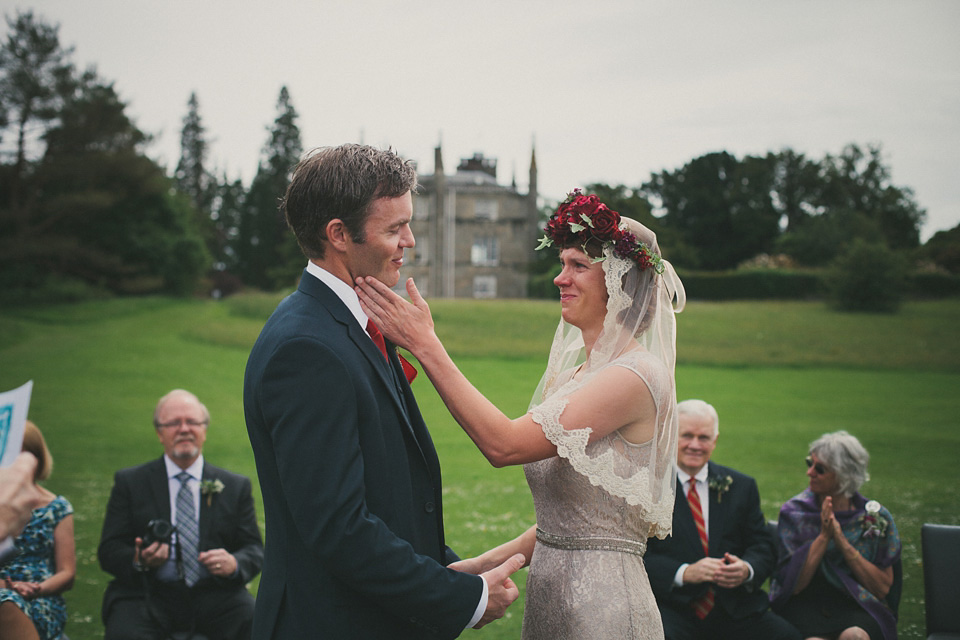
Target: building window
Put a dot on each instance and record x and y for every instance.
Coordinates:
(485, 287)
(421, 208)
(485, 209)
(485, 252)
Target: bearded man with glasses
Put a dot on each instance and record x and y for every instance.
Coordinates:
(180, 537)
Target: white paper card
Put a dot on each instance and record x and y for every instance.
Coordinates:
(13, 415)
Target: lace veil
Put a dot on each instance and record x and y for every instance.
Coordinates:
(640, 310)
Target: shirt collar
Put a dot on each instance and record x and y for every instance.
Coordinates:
(701, 475)
(195, 470)
(343, 290)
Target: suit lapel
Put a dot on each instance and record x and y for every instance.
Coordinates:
(687, 527)
(206, 512)
(717, 520)
(160, 488)
(313, 287)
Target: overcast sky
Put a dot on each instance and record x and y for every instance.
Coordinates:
(608, 91)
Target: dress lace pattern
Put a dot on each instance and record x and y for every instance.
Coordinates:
(611, 463)
(595, 510)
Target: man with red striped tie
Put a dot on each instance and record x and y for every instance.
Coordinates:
(707, 575)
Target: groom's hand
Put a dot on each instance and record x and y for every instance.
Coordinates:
(501, 589)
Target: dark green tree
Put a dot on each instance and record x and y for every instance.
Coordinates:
(33, 66)
(859, 181)
(267, 251)
(720, 206)
(795, 187)
(850, 197)
(192, 177)
(943, 250)
(100, 214)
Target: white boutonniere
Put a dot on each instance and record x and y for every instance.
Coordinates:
(210, 488)
(874, 525)
(720, 485)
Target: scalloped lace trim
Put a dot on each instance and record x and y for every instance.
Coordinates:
(599, 469)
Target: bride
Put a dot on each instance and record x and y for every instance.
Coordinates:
(599, 440)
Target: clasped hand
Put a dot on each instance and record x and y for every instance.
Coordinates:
(829, 526)
(27, 590)
(728, 572)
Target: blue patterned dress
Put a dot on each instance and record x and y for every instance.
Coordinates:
(35, 563)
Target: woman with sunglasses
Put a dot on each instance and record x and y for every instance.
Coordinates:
(837, 550)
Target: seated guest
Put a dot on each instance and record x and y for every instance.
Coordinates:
(194, 580)
(837, 550)
(45, 564)
(707, 575)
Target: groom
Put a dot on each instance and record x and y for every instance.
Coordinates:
(349, 475)
(707, 575)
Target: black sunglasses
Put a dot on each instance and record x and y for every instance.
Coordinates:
(818, 466)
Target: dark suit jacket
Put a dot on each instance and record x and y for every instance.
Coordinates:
(350, 482)
(141, 494)
(737, 526)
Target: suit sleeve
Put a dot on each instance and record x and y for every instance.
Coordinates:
(116, 548)
(321, 466)
(661, 567)
(759, 546)
(247, 545)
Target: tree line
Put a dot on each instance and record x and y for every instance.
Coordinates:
(84, 210)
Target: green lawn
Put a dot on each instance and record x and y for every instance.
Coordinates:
(780, 374)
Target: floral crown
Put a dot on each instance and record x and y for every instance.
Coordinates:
(581, 218)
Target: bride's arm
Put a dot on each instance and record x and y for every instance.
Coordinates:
(606, 404)
(524, 543)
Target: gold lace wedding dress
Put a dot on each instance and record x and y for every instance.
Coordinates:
(596, 505)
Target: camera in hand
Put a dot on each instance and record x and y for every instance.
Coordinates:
(158, 531)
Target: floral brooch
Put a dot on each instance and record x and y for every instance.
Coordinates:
(210, 488)
(874, 525)
(720, 485)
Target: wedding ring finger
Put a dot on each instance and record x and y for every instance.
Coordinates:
(216, 566)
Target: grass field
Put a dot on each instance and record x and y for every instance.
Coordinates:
(780, 374)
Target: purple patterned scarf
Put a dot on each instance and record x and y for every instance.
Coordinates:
(799, 524)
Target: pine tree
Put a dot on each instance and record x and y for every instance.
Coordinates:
(266, 249)
(191, 177)
(35, 72)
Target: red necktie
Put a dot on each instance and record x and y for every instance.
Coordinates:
(703, 605)
(408, 369)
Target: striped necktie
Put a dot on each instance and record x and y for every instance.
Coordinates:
(188, 532)
(703, 605)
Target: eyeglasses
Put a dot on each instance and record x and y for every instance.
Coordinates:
(194, 424)
(817, 466)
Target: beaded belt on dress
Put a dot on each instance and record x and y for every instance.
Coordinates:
(591, 543)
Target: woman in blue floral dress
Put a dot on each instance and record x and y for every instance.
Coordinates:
(31, 582)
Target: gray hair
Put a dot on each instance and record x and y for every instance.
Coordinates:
(178, 392)
(843, 454)
(340, 183)
(700, 409)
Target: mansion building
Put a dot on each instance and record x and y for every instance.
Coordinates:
(475, 238)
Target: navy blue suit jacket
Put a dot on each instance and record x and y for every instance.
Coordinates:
(142, 493)
(737, 526)
(351, 485)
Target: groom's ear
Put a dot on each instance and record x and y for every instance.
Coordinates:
(337, 235)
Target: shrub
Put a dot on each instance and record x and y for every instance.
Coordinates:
(867, 277)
